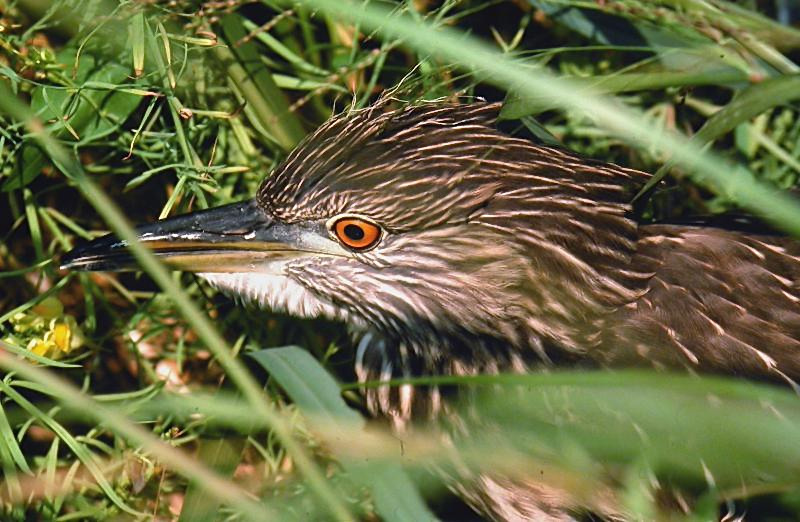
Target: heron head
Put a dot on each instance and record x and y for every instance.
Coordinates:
(423, 221)
(374, 219)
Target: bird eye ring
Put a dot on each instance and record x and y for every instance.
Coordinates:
(355, 232)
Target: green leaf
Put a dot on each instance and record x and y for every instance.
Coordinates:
(308, 384)
(77, 113)
(221, 455)
(395, 495)
(317, 394)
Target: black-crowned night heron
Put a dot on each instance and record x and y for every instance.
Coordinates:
(452, 248)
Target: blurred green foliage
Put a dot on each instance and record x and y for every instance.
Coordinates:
(174, 106)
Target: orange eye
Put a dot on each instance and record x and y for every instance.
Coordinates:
(357, 233)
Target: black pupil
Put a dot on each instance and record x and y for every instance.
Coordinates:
(354, 232)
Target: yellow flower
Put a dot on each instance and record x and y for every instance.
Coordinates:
(40, 348)
(62, 336)
(50, 332)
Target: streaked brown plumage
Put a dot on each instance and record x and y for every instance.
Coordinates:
(496, 254)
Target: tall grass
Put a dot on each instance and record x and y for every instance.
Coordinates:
(127, 395)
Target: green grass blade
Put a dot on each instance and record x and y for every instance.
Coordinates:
(51, 466)
(73, 398)
(269, 104)
(80, 450)
(317, 395)
(33, 224)
(747, 104)
(516, 107)
(136, 34)
(44, 361)
(623, 421)
(221, 455)
(10, 444)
